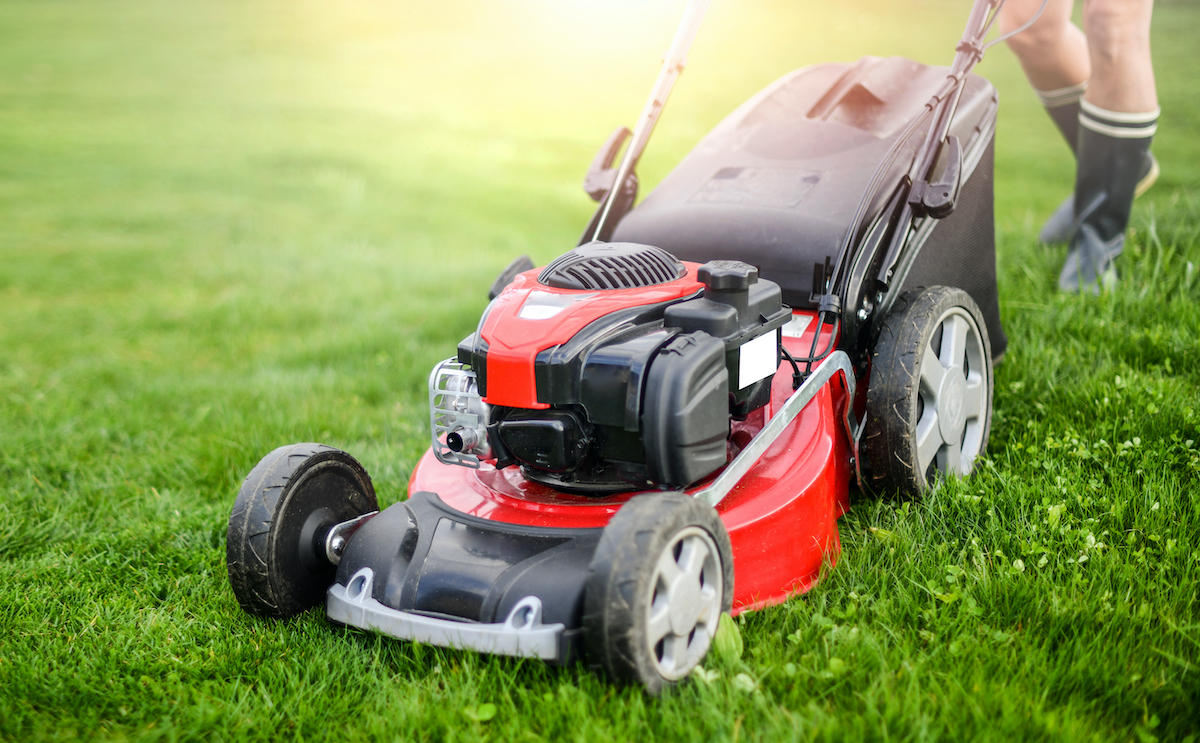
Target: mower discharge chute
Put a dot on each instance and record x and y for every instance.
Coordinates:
(662, 424)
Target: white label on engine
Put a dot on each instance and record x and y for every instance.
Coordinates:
(757, 359)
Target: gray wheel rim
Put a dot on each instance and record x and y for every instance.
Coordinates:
(953, 391)
(685, 603)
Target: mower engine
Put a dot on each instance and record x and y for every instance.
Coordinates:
(617, 367)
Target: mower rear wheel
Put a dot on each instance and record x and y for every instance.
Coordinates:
(929, 403)
(275, 547)
(660, 579)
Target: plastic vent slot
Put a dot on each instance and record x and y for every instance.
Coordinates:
(605, 266)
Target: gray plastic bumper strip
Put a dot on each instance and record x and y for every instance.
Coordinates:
(521, 633)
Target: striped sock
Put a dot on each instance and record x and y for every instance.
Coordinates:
(1118, 124)
(1063, 106)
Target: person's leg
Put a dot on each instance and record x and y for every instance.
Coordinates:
(1118, 44)
(1053, 51)
(1057, 58)
(1117, 121)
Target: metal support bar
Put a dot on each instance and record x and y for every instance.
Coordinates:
(339, 534)
(837, 361)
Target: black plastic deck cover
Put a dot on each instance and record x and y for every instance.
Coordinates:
(776, 184)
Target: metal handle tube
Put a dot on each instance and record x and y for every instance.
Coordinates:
(838, 361)
(965, 59)
(943, 104)
(673, 65)
(970, 50)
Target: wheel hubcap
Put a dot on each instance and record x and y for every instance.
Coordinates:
(685, 605)
(951, 412)
(953, 390)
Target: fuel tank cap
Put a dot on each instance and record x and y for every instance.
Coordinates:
(727, 275)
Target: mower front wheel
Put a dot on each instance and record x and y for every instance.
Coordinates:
(275, 546)
(661, 577)
(929, 403)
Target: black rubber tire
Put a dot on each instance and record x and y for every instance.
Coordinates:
(620, 585)
(275, 545)
(896, 396)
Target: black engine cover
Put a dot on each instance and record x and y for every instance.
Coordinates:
(686, 414)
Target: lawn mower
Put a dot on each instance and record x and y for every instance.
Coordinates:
(663, 424)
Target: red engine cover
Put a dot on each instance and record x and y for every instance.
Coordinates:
(528, 317)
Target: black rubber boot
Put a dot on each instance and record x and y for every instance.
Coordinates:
(1057, 228)
(1063, 107)
(1113, 149)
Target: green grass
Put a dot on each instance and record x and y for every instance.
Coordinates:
(225, 226)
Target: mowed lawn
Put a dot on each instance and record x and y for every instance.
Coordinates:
(228, 225)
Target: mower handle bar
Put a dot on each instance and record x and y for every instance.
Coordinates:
(943, 104)
(673, 64)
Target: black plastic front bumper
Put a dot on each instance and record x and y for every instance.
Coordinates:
(422, 571)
